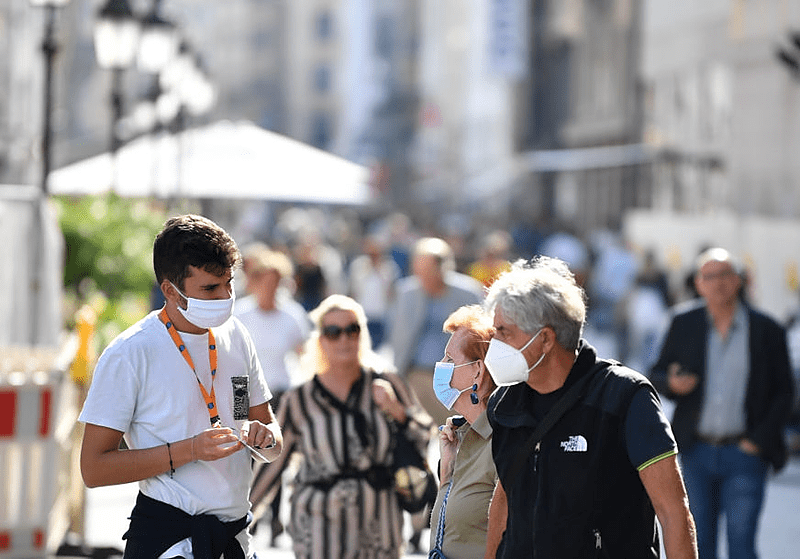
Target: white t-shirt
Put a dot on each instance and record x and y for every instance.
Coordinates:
(372, 286)
(276, 334)
(143, 387)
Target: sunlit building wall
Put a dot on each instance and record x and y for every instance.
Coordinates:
(315, 37)
(582, 94)
(21, 71)
(464, 145)
(605, 110)
(723, 114)
(241, 45)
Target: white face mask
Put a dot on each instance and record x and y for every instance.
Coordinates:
(206, 313)
(507, 364)
(442, 375)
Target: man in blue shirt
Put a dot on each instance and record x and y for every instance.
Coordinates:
(726, 366)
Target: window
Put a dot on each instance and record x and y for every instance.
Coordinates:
(384, 37)
(324, 26)
(320, 131)
(322, 78)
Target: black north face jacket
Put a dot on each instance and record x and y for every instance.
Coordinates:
(578, 496)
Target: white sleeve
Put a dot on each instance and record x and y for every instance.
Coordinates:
(111, 400)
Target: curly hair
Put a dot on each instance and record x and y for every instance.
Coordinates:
(192, 240)
(538, 293)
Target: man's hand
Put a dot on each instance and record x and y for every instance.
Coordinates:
(680, 381)
(213, 444)
(263, 430)
(257, 435)
(749, 447)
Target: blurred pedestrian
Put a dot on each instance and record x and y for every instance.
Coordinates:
(401, 241)
(277, 335)
(373, 276)
(584, 454)
(653, 276)
(342, 423)
(184, 387)
(493, 259)
(569, 247)
(284, 296)
(646, 314)
(726, 366)
(467, 476)
(309, 276)
(611, 280)
(424, 301)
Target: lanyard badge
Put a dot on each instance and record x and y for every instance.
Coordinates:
(210, 398)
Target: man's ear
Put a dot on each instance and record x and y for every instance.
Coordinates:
(548, 336)
(170, 293)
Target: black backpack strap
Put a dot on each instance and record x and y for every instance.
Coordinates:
(556, 412)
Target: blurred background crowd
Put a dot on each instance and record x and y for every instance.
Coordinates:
(329, 136)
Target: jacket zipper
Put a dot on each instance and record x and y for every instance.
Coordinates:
(538, 480)
(598, 540)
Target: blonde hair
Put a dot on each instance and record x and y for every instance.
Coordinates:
(264, 259)
(437, 248)
(313, 360)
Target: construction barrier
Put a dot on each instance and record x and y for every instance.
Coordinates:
(37, 417)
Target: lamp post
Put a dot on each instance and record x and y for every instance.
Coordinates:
(49, 50)
(116, 37)
(790, 57)
(187, 92)
(158, 43)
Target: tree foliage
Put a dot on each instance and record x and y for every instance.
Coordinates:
(108, 261)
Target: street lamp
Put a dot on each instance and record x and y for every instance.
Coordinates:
(158, 43)
(116, 37)
(49, 49)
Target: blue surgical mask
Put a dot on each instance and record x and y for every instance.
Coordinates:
(442, 375)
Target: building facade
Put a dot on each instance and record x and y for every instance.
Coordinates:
(722, 112)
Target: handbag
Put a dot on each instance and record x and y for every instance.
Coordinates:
(414, 482)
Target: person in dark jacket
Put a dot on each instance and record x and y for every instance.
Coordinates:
(594, 483)
(726, 366)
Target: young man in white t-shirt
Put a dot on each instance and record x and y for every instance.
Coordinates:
(185, 388)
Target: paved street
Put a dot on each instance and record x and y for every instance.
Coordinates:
(108, 507)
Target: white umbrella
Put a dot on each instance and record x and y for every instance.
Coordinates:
(223, 160)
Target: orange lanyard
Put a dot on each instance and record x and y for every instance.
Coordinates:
(211, 399)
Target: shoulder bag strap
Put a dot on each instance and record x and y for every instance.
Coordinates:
(559, 409)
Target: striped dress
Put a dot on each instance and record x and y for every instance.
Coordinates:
(333, 514)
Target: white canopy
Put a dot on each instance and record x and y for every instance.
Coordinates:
(232, 160)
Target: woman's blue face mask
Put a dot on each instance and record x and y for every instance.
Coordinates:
(442, 375)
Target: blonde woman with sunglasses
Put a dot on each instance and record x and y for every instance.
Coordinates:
(342, 423)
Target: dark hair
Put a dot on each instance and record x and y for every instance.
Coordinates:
(192, 240)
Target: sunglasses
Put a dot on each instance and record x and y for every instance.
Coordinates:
(333, 331)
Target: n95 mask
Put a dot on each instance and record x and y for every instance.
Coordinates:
(507, 364)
